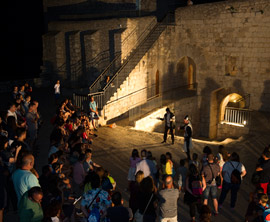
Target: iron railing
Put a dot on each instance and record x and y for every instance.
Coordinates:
(121, 59)
(237, 116)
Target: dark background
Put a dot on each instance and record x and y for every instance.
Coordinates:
(23, 41)
(22, 45)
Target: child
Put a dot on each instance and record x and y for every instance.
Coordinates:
(262, 207)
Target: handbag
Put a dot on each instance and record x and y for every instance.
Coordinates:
(138, 217)
(217, 179)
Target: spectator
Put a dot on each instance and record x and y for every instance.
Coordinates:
(264, 168)
(169, 170)
(30, 205)
(119, 213)
(27, 88)
(251, 213)
(96, 198)
(57, 91)
(145, 165)
(15, 92)
(22, 92)
(12, 111)
(195, 185)
(23, 178)
(133, 160)
(105, 181)
(210, 172)
(93, 112)
(134, 191)
(162, 166)
(78, 176)
(182, 172)
(147, 200)
(168, 201)
(195, 160)
(227, 185)
(206, 150)
(45, 178)
(31, 120)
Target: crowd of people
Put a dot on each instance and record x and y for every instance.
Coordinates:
(72, 186)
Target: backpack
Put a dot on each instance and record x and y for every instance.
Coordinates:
(94, 215)
(196, 187)
(236, 175)
(266, 215)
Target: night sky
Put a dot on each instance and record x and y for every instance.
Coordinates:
(23, 42)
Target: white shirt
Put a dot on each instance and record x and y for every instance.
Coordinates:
(228, 169)
(57, 88)
(144, 167)
(12, 114)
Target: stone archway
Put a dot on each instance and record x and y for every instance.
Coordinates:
(186, 69)
(232, 100)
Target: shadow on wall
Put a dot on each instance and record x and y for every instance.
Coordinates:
(210, 85)
(265, 97)
(237, 84)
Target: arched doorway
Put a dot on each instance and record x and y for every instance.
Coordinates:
(232, 110)
(186, 70)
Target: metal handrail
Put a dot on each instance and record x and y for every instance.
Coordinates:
(128, 54)
(127, 60)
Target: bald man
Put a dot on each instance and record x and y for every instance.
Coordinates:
(23, 179)
(168, 201)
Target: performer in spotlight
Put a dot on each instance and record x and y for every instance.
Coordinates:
(187, 135)
(169, 125)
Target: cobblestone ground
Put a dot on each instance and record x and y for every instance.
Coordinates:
(112, 149)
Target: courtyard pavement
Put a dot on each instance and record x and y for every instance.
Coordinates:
(112, 149)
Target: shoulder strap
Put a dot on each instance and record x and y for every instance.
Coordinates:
(211, 171)
(93, 199)
(148, 203)
(232, 164)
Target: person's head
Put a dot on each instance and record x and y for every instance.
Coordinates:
(117, 199)
(95, 181)
(26, 85)
(12, 107)
(15, 89)
(168, 110)
(149, 155)
(147, 185)
(205, 214)
(168, 156)
(53, 209)
(182, 162)
(143, 153)
(58, 82)
(235, 157)
(28, 98)
(139, 176)
(88, 154)
(28, 162)
(100, 172)
(186, 119)
(169, 182)
(163, 159)
(193, 170)
(35, 194)
(21, 134)
(210, 158)
(195, 156)
(56, 167)
(263, 199)
(207, 150)
(266, 153)
(3, 142)
(135, 154)
(92, 98)
(53, 158)
(32, 107)
(22, 88)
